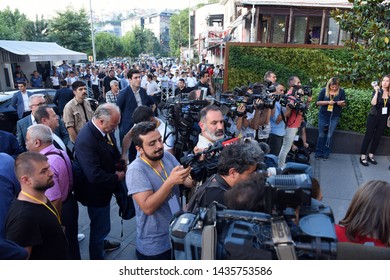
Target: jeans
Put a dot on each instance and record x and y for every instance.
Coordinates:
(324, 138)
(99, 229)
(288, 140)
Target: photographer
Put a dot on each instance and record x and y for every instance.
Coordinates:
(153, 180)
(332, 100)
(293, 114)
(277, 122)
(236, 163)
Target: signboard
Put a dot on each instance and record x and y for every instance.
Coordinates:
(90, 58)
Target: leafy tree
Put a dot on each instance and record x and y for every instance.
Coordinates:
(71, 30)
(12, 24)
(140, 41)
(178, 29)
(36, 31)
(368, 22)
(107, 45)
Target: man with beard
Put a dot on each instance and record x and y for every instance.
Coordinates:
(153, 180)
(212, 126)
(40, 139)
(33, 222)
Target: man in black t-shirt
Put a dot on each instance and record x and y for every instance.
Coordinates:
(33, 222)
(107, 80)
(205, 82)
(236, 163)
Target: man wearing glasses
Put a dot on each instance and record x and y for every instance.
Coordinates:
(34, 102)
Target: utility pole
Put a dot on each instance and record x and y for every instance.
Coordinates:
(92, 34)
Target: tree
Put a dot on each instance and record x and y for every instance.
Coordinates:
(140, 41)
(12, 24)
(368, 22)
(71, 30)
(107, 45)
(178, 29)
(36, 31)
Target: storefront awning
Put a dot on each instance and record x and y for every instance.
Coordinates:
(38, 51)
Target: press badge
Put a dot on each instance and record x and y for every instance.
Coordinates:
(173, 204)
(384, 111)
(330, 108)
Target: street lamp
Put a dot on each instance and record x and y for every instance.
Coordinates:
(92, 34)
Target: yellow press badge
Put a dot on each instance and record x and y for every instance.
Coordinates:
(330, 108)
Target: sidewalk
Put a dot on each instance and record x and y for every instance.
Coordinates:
(339, 177)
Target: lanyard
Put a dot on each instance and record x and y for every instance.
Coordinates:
(155, 171)
(44, 204)
(385, 101)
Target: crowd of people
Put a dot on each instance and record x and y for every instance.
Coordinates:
(44, 178)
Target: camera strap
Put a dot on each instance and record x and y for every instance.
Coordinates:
(281, 237)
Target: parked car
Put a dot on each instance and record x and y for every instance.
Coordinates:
(8, 115)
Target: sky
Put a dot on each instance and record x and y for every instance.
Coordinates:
(49, 7)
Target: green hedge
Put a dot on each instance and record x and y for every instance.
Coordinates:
(313, 66)
(353, 117)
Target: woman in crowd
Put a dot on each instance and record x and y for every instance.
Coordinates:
(368, 216)
(331, 100)
(376, 121)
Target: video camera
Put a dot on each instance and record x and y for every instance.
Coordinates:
(263, 91)
(254, 235)
(204, 164)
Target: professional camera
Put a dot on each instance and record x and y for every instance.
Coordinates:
(204, 164)
(255, 235)
(263, 91)
(182, 116)
(306, 90)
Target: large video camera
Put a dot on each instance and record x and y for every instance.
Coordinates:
(182, 116)
(254, 235)
(204, 164)
(263, 91)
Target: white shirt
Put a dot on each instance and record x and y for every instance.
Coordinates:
(59, 142)
(152, 88)
(169, 143)
(203, 142)
(25, 101)
(191, 81)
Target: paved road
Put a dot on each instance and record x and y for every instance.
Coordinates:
(339, 177)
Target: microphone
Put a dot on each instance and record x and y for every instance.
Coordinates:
(354, 251)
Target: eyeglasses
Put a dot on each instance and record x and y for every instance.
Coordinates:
(39, 104)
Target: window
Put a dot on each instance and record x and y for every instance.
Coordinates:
(299, 30)
(279, 29)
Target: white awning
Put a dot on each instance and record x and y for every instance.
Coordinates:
(40, 51)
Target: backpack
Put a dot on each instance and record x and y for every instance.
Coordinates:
(125, 202)
(194, 203)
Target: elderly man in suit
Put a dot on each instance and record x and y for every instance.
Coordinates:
(97, 154)
(20, 100)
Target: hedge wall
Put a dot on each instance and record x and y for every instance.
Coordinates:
(353, 117)
(313, 66)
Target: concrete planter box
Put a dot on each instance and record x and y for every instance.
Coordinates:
(347, 142)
